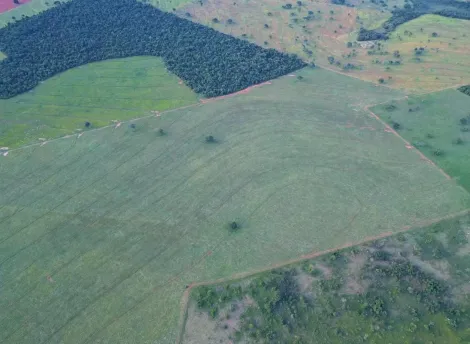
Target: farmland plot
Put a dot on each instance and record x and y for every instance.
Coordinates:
(99, 234)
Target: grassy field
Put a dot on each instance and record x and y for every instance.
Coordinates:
(101, 233)
(432, 123)
(409, 288)
(99, 93)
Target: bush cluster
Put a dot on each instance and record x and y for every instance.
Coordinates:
(84, 31)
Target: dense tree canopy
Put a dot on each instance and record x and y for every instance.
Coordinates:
(447, 8)
(465, 89)
(83, 31)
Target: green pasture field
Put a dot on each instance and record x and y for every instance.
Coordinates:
(434, 126)
(100, 234)
(99, 92)
(408, 288)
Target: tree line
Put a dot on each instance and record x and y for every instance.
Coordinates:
(446, 8)
(83, 31)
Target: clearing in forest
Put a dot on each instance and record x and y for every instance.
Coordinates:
(100, 234)
(98, 93)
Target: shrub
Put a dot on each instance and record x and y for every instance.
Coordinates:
(210, 139)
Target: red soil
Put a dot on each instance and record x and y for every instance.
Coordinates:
(6, 5)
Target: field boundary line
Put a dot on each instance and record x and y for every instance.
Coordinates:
(184, 303)
(407, 143)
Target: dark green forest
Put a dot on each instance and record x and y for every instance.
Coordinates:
(84, 31)
(465, 89)
(416, 8)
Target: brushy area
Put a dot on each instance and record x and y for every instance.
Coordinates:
(438, 124)
(410, 288)
(414, 9)
(99, 234)
(84, 31)
(97, 93)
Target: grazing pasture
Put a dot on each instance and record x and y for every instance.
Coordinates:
(98, 93)
(327, 34)
(101, 232)
(438, 124)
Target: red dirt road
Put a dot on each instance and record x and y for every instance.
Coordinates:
(6, 5)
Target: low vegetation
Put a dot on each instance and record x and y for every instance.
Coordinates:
(410, 288)
(102, 233)
(208, 61)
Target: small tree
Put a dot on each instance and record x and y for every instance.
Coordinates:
(464, 121)
(437, 152)
(300, 77)
(210, 139)
(266, 26)
(434, 34)
(396, 125)
(230, 21)
(234, 226)
(132, 125)
(381, 80)
(459, 141)
(161, 132)
(87, 124)
(215, 20)
(349, 44)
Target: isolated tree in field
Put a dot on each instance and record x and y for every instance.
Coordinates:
(87, 124)
(234, 226)
(266, 26)
(132, 125)
(17, 2)
(215, 20)
(210, 139)
(437, 152)
(161, 132)
(300, 77)
(434, 34)
(396, 125)
(230, 21)
(381, 80)
(464, 121)
(459, 141)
